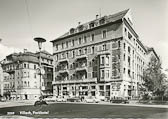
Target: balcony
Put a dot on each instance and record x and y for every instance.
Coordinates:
(63, 60)
(75, 81)
(81, 67)
(63, 70)
(81, 56)
(104, 52)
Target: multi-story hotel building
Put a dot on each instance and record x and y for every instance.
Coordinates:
(103, 57)
(21, 78)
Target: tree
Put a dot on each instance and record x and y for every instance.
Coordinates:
(154, 79)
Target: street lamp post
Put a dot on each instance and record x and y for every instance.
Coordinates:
(40, 41)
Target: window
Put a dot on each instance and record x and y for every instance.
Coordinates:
(56, 47)
(73, 54)
(124, 57)
(93, 87)
(125, 30)
(102, 74)
(34, 75)
(107, 60)
(92, 37)
(101, 87)
(133, 52)
(63, 55)
(80, 52)
(129, 36)
(56, 58)
(118, 43)
(28, 84)
(91, 25)
(104, 47)
(102, 60)
(129, 73)
(79, 40)
(62, 45)
(93, 50)
(73, 43)
(104, 34)
(124, 46)
(66, 44)
(129, 60)
(107, 74)
(102, 21)
(34, 66)
(85, 40)
(85, 50)
(129, 49)
(24, 65)
(124, 71)
(67, 54)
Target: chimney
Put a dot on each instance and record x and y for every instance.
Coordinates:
(97, 16)
(25, 50)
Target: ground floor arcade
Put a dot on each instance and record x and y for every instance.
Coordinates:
(107, 90)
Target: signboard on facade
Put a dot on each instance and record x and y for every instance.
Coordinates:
(115, 86)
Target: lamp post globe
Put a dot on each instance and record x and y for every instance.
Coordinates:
(40, 40)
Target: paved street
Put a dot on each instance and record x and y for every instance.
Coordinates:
(104, 109)
(31, 102)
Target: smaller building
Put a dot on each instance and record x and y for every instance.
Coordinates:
(21, 76)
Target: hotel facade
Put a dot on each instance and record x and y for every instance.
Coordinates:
(21, 75)
(103, 57)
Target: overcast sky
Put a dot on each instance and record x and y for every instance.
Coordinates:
(22, 20)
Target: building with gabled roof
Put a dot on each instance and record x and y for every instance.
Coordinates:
(102, 58)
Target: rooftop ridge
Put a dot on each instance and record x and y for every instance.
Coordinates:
(110, 18)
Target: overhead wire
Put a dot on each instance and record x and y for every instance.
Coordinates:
(29, 18)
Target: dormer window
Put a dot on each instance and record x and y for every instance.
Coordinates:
(102, 21)
(72, 30)
(80, 28)
(91, 25)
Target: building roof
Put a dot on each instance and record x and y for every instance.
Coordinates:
(151, 49)
(108, 19)
(27, 57)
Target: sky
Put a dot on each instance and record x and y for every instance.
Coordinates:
(23, 20)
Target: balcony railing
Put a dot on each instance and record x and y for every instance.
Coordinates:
(64, 59)
(102, 52)
(81, 67)
(63, 70)
(81, 56)
(75, 81)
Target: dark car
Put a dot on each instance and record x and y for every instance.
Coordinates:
(74, 99)
(119, 100)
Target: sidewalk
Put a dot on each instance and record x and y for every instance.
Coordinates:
(16, 103)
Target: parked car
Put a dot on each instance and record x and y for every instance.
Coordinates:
(91, 100)
(74, 99)
(102, 98)
(119, 100)
(50, 99)
(61, 99)
(3, 99)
